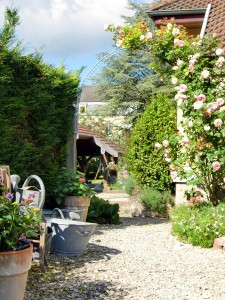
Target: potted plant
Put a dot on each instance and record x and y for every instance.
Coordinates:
(18, 222)
(72, 191)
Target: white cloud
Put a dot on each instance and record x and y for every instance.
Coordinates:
(66, 29)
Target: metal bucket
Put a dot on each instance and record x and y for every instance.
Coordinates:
(69, 237)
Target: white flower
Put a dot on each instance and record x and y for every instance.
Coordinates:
(206, 128)
(142, 37)
(174, 80)
(181, 88)
(190, 124)
(205, 74)
(198, 104)
(158, 146)
(119, 43)
(179, 62)
(175, 68)
(106, 27)
(169, 26)
(219, 51)
(165, 143)
(117, 25)
(220, 101)
(184, 141)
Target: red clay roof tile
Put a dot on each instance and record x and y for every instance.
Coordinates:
(216, 21)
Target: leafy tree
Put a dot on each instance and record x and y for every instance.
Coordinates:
(158, 122)
(125, 80)
(36, 109)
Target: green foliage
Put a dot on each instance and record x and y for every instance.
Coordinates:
(144, 161)
(71, 183)
(155, 201)
(17, 221)
(198, 225)
(130, 185)
(102, 212)
(36, 109)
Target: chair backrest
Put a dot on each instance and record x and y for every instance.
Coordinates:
(5, 177)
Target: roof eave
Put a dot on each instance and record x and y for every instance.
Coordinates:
(170, 12)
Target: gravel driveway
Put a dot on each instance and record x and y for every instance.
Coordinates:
(138, 259)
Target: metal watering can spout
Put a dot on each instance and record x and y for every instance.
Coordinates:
(57, 211)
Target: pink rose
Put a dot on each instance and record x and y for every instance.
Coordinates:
(220, 101)
(218, 122)
(165, 143)
(198, 104)
(148, 35)
(182, 88)
(166, 154)
(216, 165)
(180, 43)
(201, 97)
(173, 174)
(222, 109)
(176, 31)
(81, 179)
(184, 141)
(191, 68)
(205, 74)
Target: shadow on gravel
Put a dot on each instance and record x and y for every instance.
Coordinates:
(130, 221)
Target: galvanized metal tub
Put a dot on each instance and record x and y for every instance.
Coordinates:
(69, 237)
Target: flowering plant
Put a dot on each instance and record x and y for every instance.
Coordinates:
(18, 222)
(197, 68)
(71, 183)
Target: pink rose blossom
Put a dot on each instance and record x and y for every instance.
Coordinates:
(81, 179)
(176, 31)
(198, 104)
(224, 180)
(196, 56)
(207, 112)
(205, 74)
(173, 174)
(218, 122)
(184, 141)
(191, 68)
(216, 165)
(148, 35)
(182, 88)
(166, 154)
(180, 43)
(201, 97)
(165, 143)
(219, 51)
(213, 106)
(220, 101)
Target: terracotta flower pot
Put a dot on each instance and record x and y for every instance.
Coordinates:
(14, 267)
(78, 202)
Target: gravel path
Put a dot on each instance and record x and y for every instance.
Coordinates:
(138, 259)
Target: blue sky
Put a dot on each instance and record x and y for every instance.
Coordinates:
(67, 31)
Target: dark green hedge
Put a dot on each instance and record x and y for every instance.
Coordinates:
(145, 162)
(36, 109)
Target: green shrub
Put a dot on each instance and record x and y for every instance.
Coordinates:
(146, 163)
(155, 201)
(130, 185)
(102, 212)
(198, 225)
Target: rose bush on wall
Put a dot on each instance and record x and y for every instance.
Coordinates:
(196, 67)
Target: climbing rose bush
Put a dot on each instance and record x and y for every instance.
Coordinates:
(197, 68)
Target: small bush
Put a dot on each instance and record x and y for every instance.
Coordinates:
(102, 212)
(130, 185)
(156, 202)
(198, 225)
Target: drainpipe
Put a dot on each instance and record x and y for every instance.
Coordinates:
(204, 25)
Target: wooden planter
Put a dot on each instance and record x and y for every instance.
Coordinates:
(78, 202)
(14, 267)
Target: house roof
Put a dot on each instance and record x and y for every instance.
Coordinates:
(91, 143)
(216, 20)
(88, 94)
